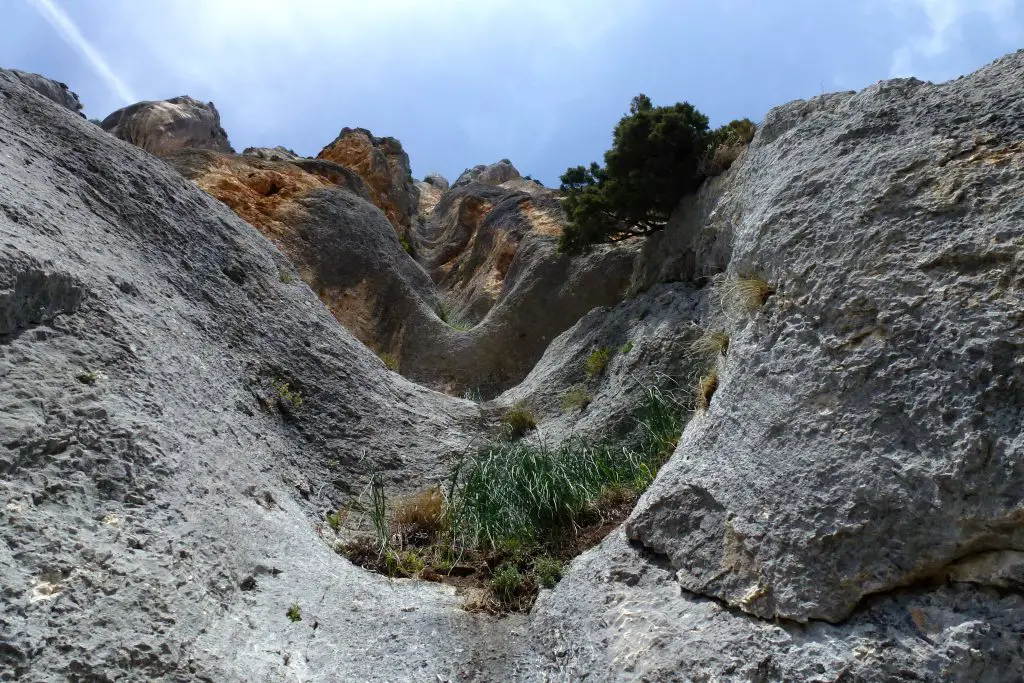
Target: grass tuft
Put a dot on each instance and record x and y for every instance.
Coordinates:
(518, 421)
(548, 571)
(743, 294)
(420, 513)
(711, 345)
(295, 612)
(288, 399)
(507, 582)
(576, 398)
(597, 361)
(706, 388)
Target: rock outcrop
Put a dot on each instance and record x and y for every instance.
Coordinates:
(488, 174)
(168, 126)
(50, 89)
(180, 411)
(384, 166)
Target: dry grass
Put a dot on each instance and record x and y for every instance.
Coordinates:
(576, 397)
(719, 160)
(421, 512)
(743, 293)
(390, 362)
(711, 344)
(706, 388)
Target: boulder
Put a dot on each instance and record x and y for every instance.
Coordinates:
(278, 153)
(168, 126)
(488, 174)
(50, 89)
(384, 165)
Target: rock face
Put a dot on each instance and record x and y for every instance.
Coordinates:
(864, 444)
(50, 89)
(144, 330)
(384, 166)
(847, 506)
(169, 126)
(488, 174)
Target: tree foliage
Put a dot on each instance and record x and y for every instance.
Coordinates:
(657, 157)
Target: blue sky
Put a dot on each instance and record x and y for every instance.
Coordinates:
(541, 82)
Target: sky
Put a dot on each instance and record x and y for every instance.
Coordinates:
(541, 82)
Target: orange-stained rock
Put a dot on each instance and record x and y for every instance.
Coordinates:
(384, 165)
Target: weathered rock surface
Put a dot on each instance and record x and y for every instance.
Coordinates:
(50, 89)
(161, 497)
(488, 174)
(278, 153)
(384, 165)
(168, 126)
(866, 433)
(849, 506)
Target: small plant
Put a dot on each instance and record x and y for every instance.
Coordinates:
(406, 244)
(548, 571)
(334, 521)
(390, 362)
(378, 511)
(90, 376)
(519, 420)
(402, 564)
(286, 277)
(295, 612)
(626, 348)
(333, 464)
(706, 387)
(597, 361)
(576, 398)
(507, 582)
(712, 344)
(288, 399)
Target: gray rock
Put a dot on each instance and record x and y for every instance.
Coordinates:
(866, 432)
(437, 180)
(50, 89)
(488, 174)
(168, 126)
(278, 153)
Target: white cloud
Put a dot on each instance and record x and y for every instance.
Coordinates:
(943, 23)
(69, 32)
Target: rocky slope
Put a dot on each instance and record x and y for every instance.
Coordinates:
(180, 409)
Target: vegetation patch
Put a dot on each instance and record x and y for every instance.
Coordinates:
(706, 387)
(743, 294)
(576, 398)
(658, 156)
(295, 612)
(390, 362)
(597, 361)
(289, 399)
(448, 317)
(514, 512)
(518, 421)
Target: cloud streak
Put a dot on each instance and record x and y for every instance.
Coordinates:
(68, 31)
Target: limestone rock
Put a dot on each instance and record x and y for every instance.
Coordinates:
(384, 165)
(168, 126)
(54, 90)
(278, 153)
(488, 174)
(866, 431)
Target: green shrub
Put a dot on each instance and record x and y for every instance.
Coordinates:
(295, 612)
(402, 564)
(597, 361)
(518, 421)
(548, 571)
(507, 582)
(406, 244)
(334, 520)
(576, 397)
(390, 362)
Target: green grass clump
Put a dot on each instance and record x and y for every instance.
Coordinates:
(516, 491)
(518, 421)
(597, 361)
(402, 564)
(406, 244)
(295, 612)
(286, 277)
(548, 571)
(507, 582)
(576, 398)
(334, 521)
